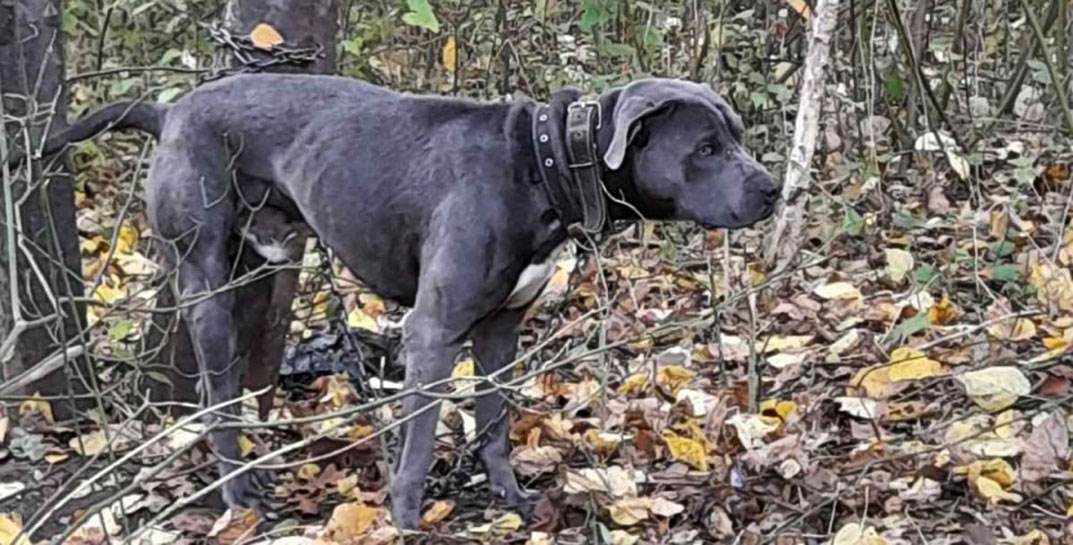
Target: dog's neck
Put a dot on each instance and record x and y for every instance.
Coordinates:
(627, 202)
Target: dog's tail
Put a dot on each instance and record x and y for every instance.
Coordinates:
(143, 116)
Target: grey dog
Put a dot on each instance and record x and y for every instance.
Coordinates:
(449, 206)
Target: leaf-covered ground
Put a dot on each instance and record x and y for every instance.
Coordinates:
(906, 380)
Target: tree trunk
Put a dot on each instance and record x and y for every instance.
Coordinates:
(786, 239)
(40, 268)
(262, 308)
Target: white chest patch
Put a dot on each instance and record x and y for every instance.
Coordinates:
(532, 280)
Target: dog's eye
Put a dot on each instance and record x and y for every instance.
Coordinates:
(706, 150)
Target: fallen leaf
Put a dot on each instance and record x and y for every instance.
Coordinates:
(686, 450)
(449, 54)
(89, 444)
(839, 290)
(439, 511)
(234, 526)
(630, 511)
(350, 520)
(856, 534)
(911, 364)
(665, 508)
(899, 263)
(860, 407)
(622, 537)
(37, 404)
(502, 525)
(11, 530)
(673, 377)
(752, 428)
(995, 388)
(265, 36)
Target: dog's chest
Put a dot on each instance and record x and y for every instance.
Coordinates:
(532, 280)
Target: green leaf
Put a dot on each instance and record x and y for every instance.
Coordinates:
(1002, 249)
(924, 274)
(852, 223)
(912, 326)
(595, 12)
(420, 15)
(1006, 273)
(169, 94)
(895, 88)
(120, 330)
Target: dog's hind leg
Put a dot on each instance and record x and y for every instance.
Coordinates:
(203, 277)
(495, 343)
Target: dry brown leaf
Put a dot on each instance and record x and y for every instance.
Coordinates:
(234, 526)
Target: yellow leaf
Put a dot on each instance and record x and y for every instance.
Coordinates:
(1004, 425)
(780, 343)
(449, 54)
(899, 263)
(992, 491)
(308, 472)
(778, 409)
(127, 239)
(11, 530)
(439, 511)
(911, 364)
(856, 534)
(56, 457)
(686, 450)
(996, 469)
(358, 319)
(89, 444)
(92, 245)
(372, 305)
(265, 36)
(37, 404)
(801, 7)
(634, 384)
(350, 520)
(245, 446)
(630, 511)
(463, 369)
(673, 377)
(107, 294)
(875, 381)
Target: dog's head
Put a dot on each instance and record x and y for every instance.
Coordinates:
(679, 145)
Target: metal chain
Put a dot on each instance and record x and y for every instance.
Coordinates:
(255, 59)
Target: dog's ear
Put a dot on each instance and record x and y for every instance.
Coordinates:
(646, 97)
(632, 105)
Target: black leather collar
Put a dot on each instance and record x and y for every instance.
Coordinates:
(569, 164)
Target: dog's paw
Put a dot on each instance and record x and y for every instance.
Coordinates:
(249, 490)
(517, 500)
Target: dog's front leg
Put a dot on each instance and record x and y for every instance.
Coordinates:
(495, 343)
(430, 350)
